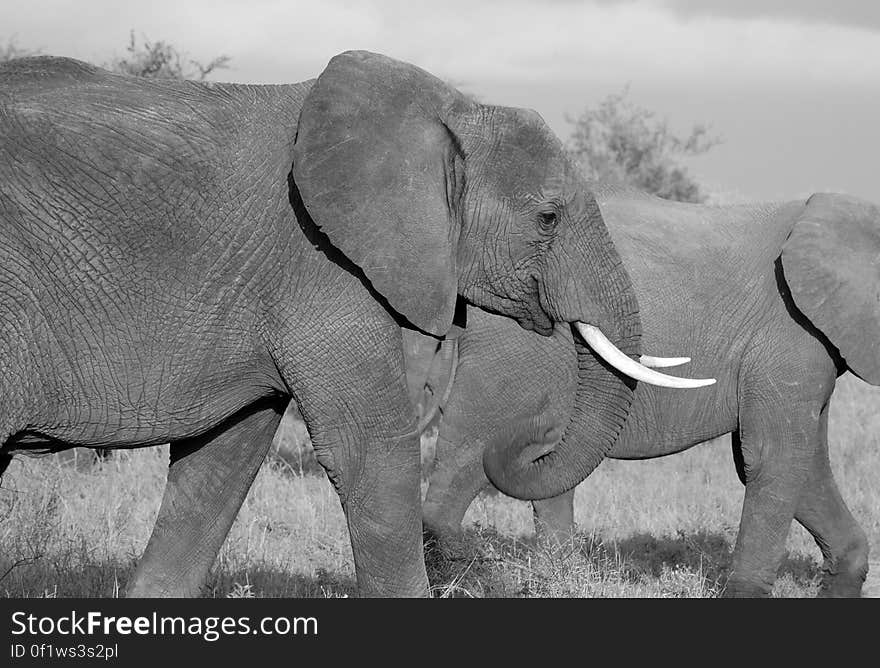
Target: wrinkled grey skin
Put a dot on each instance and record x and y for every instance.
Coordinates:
(178, 259)
(775, 301)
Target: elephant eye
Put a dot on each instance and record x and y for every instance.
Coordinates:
(547, 219)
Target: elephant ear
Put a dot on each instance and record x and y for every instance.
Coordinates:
(831, 262)
(379, 173)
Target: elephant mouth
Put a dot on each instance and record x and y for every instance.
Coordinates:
(540, 320)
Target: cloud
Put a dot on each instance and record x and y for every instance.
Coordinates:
(858, 13)
(794, 88)
(472, 42)
(569, 41)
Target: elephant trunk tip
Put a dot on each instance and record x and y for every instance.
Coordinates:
(517, 459)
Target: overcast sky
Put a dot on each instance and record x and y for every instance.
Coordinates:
(792, 87)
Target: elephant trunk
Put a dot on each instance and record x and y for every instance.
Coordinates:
(586, 285)
(537, 458)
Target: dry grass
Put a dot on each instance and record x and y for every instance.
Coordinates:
(71, 527)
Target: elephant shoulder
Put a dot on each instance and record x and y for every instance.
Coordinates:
(831, 263)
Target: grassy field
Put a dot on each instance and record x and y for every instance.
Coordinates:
(661, 528)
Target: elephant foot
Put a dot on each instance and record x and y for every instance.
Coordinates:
(737, 588)
(457, 563)
(556, 542)
(554, 523)
(448, 543)
(844, 577)
(840, 587)
(871, 588)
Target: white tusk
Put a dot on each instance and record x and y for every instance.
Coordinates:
(659, 362)
(610, 353)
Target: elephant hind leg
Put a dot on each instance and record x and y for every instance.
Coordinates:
(774, 454)
(208, 479)
(822, 511)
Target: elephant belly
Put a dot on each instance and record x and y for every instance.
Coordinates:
(115, 426)
(649, 449)
(133, 396)
(665, 421)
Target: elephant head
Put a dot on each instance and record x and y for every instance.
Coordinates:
(433, 195)
(420, 186)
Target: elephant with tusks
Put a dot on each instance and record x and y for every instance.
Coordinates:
(774, 300)
(180, 259)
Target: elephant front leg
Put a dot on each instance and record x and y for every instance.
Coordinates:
(456, 480)
(378, 479)
(822, 511)
(363, 428)
(381, 507)
(554, 520)
(208, 479)
(773, 454)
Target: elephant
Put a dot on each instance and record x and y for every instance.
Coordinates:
(180, 259)
(778, 300)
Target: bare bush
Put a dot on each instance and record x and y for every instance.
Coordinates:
(161, 60)
(621, 141)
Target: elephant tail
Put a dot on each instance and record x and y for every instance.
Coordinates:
(831, 263)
